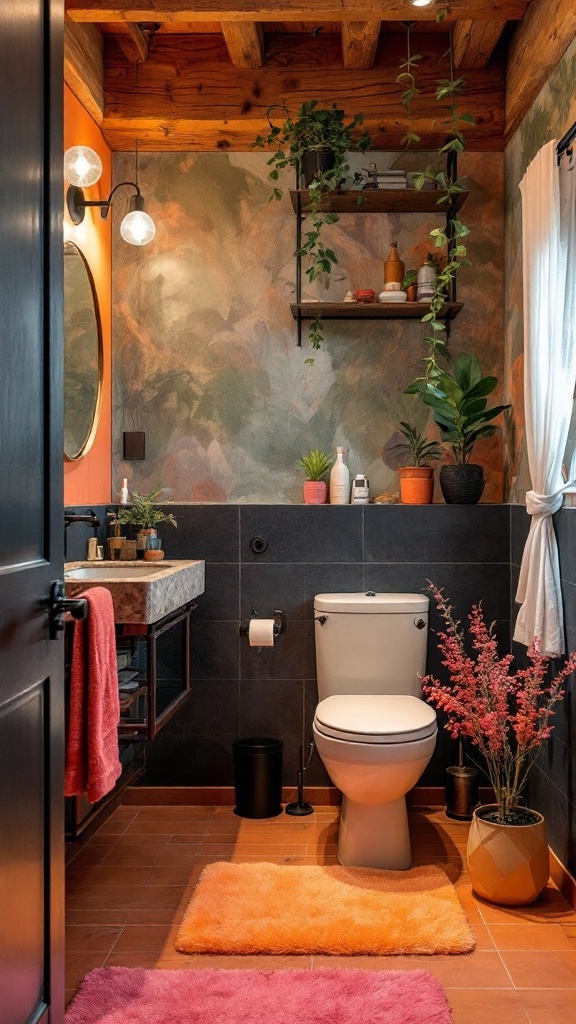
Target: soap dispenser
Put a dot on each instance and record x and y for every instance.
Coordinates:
(340, 480)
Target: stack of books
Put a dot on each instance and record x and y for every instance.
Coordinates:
(394, 180)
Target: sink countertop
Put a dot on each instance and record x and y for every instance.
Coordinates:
(143, 599)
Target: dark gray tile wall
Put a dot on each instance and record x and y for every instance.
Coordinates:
(238, 691)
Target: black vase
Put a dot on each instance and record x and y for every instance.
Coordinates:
(462, 484)
(315, 162)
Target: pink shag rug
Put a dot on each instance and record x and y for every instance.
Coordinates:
(126, 995)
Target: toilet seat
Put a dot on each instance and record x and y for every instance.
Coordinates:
(375, 718)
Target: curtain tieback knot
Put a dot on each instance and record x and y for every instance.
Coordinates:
(543, 505)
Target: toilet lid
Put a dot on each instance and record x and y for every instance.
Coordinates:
(378, 718)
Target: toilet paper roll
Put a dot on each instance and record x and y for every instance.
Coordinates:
(261, 633)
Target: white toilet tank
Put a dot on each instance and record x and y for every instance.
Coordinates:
(370, 643)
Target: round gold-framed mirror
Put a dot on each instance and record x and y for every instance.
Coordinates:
(83, 354)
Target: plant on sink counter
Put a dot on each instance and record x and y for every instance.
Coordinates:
(144, 513)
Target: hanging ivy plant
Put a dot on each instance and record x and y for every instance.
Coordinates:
(313, 129)
(407, 79)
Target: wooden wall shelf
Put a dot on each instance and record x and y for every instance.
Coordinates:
(379, 201)
(370, 310)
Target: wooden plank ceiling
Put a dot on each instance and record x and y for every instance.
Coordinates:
(201, 74)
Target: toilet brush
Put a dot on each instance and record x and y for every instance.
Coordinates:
(300, 807)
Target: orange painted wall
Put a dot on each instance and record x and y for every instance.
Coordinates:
(88, 480)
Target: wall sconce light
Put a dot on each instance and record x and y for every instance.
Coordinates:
(82, 166)
(421, 3)
(137, 227)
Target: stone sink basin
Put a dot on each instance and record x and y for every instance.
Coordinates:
(141, 592)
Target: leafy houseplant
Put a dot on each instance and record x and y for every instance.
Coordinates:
(417, 478)
(459, 402)
(409, 285)
(315, 142)
(316, 464)
(144, 513)
(507, 717)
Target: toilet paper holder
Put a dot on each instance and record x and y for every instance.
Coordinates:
(279, 622)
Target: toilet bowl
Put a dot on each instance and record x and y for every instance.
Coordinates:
(372, 729)
(375, 749)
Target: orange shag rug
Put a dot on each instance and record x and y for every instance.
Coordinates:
(270, 908)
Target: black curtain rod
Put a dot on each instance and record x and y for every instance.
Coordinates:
(566, 141)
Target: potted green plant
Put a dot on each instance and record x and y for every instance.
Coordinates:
(316, 464)
(315, 142)
(410, 285)
(417, 478)
(144, 515)
(507, 716)
(459, 402)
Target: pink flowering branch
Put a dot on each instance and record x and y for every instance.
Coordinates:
(506, 715)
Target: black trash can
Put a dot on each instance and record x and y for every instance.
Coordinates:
(258, 777)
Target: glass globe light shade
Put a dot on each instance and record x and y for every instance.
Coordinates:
(82, 166)
(138, 228)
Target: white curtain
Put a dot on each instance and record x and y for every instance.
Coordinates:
(549, 276)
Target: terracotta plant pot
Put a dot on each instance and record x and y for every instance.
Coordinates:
(315, 492)
(411, 293)
(507, 864)
(462, 484)
(416, 485)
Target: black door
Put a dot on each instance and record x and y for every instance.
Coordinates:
(31, 533)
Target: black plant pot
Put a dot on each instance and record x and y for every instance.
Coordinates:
(315, 162)
(462, 485)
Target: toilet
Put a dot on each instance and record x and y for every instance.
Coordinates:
(372, 729)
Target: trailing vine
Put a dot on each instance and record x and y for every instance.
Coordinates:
(407, 78)
(447, 89)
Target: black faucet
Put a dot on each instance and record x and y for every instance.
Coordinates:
(75, 517)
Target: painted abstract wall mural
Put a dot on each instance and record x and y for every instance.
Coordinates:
(205, 359)
(550, 116)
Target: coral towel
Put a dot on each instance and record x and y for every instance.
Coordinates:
(92, 755)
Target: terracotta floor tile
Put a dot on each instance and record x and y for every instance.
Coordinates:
(107, 874)
(472, 970)
(251, 839)
(484, 940)
(551, 907)
(177, 855)
(142, 855)
(183, 827)
(529, 936)
(542, 970)
(550, 1006)
(487, 1006)
(185, 839)
(85, 938)
(274, 849)
(78, 965)
(178, 813)
(143, 839)
(118, 917)
(146, 938)
(570, 932)
(171, 874)
(149, 897)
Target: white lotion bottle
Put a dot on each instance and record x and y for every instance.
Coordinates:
(340, 480)
(124, 497)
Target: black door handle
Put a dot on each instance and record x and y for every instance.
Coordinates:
(59, 604)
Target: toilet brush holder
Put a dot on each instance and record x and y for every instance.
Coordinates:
(462, 792)
(300, 807)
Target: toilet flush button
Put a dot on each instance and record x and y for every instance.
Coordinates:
(419, 623)
(370, 593)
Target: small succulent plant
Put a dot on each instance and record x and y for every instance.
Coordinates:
(316, 464)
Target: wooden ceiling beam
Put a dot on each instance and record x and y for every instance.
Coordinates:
(83, 66)
(245, 43)
(188, 97)
(136, 43)
(537, 45)
(316, 11)
(359, 43)
(475, 41)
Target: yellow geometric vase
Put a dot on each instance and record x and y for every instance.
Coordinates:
(507, 864)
